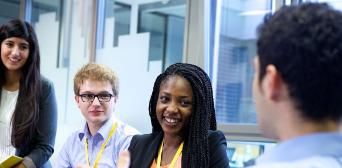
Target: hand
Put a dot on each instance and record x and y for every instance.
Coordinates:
(82, 166)
(124, 159)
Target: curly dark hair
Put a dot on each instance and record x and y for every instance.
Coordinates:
(304, 43)
(203, 115)
(26, 113)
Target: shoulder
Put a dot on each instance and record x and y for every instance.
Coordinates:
(145, 138)
(47, 86)
(124, 129)
(217, 149)
(46, 82)
(75, 136)
(316, 161)
(216, 136)
(73, 140)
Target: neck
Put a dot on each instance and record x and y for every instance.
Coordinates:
(93, 128)
(12, 81)
(172, 140)
(309, 127)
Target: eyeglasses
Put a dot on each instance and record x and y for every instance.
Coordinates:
(101, 97)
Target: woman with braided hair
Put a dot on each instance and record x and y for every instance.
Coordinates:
(184, 125)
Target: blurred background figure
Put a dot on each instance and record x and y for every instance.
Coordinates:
(297, 86)
(28, 110)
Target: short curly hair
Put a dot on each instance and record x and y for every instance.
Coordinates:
(304, 43)
(96, 72)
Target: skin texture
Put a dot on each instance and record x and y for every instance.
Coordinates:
(14, 53)
(174, 108)
(262, 104)
(96, 113)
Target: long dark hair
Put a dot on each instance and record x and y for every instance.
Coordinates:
(26, 113)
(196, 146)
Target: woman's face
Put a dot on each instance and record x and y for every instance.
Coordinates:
(174, 105)
(14, 53)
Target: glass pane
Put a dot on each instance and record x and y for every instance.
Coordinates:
(9, 9)
(46, 20)
(122, 13)
(236, 50)
(147, 36)
(165, 23)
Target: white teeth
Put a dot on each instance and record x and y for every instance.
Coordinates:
(171, 120)
(14, 59)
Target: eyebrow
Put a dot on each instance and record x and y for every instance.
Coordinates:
(21, 43)
(101, 92)
(182, 97)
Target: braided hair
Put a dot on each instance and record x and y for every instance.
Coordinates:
(196, 153)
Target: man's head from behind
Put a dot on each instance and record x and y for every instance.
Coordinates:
(96, 91)
(303, 46)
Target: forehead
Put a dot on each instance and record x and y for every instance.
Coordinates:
(176, 84)
(16, 40)
(95, 86)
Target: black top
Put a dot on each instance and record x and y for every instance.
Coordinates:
(144, 148)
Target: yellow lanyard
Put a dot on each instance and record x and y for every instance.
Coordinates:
(102, 147)
(173, 162)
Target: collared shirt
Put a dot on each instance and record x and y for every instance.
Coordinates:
(73, 151)
(306, 151)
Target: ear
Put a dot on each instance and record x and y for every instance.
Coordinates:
(77, 99)
(273, 83)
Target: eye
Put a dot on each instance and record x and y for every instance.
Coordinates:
(88, 96)
(9, 44)
(164, 99)
(104, 95)
(185, 103)
(23, 47)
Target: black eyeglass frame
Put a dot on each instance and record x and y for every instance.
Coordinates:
(103, 97)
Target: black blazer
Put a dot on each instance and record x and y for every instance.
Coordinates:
(144, 149)
(40, 149)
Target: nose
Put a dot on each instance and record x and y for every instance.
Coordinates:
(15, 51)
(172, 107)
(96, 101)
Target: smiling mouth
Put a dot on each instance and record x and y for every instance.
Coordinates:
(171, 121)
(14, 59)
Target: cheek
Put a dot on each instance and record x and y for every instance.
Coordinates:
(25, 56)
(3, 55)
(187, 114)
(159, 108)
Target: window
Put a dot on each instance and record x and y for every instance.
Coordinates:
(9, 9)
(147, 37)
(233, 63)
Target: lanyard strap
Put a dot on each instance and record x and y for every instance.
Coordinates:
(102, 146)
(173, 162)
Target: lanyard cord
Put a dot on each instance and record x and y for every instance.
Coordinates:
(173, 162)
(102, 146)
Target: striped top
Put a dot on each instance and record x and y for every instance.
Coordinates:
(7, 106)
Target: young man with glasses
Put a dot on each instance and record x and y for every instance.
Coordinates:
(97, 144)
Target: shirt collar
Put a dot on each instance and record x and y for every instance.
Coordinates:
(304, 146)
(103, 132)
